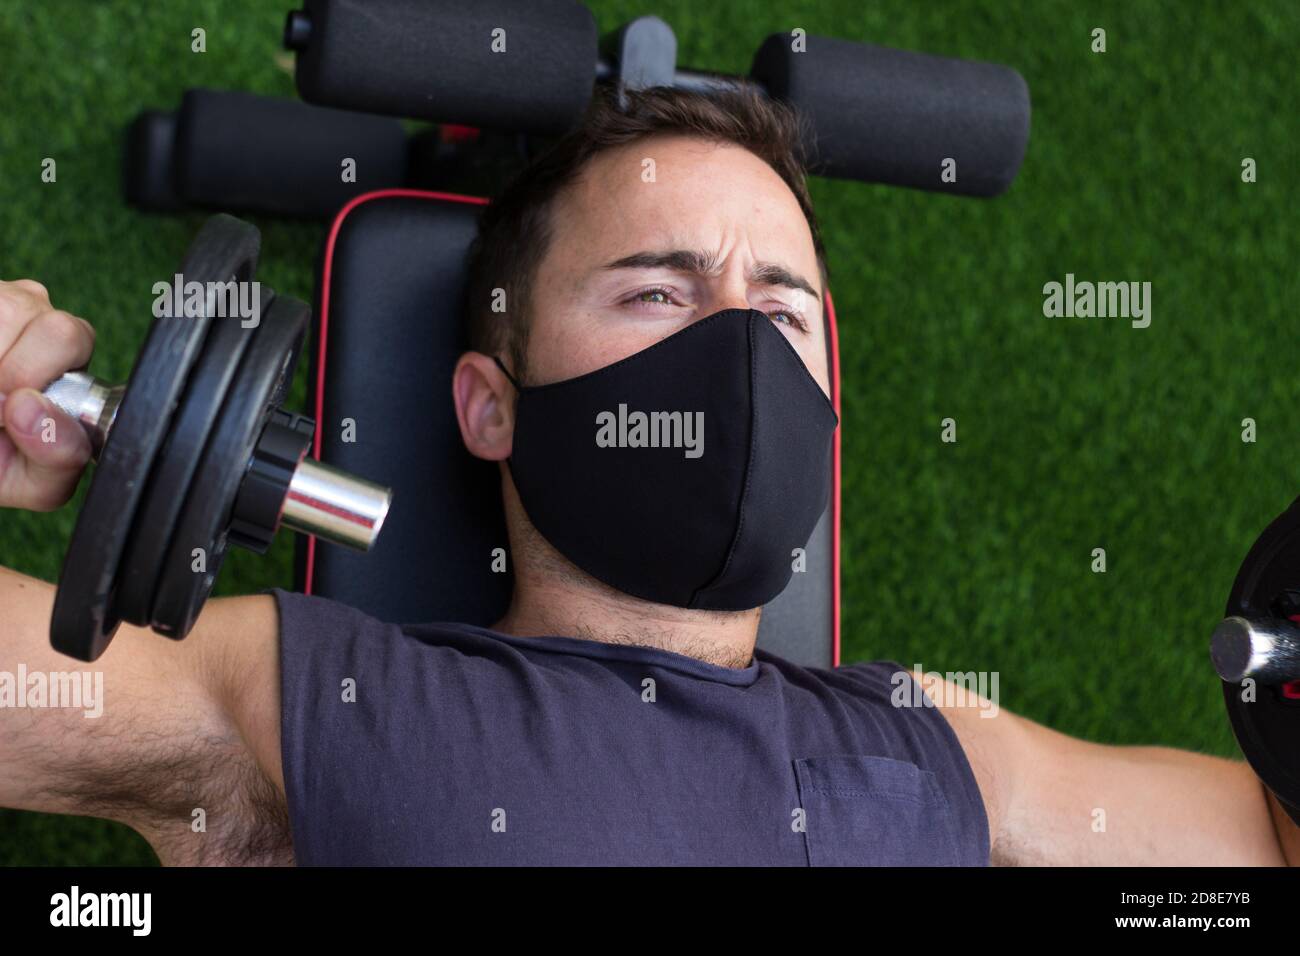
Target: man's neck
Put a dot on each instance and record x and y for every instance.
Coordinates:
(553, 598)
(571, 608)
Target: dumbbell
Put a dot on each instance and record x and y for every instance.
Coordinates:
(1258, 641)
(195, 453)
(876, 114)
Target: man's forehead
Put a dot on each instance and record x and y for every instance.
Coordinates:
(696, 196)
(646, 174)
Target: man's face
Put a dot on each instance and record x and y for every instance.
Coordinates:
(635, 257)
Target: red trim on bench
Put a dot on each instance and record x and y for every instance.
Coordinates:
(322, 338)
(454, 133)
(835, 480)
(323, 328)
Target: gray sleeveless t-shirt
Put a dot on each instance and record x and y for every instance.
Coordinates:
(451, 744)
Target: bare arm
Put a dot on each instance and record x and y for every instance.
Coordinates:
(178, 740)
(151, 735)
(1053, 799)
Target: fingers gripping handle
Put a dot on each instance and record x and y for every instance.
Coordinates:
(88, 400)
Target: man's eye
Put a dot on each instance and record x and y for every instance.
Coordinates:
(787, 317)
(652, 297)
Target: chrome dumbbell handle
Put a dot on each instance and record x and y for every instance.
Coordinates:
(89, 401)
(335, 505)
(1265, 650)
(322, 501)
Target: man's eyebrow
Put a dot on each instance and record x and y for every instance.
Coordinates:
(698, 262)
(770, 273)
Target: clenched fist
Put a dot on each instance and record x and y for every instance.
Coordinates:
(42, 449)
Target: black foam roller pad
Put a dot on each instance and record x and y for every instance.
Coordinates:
(892, 116)
(147, 162)
(280, 156)
(434, 59)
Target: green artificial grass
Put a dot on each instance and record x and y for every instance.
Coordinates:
(1073, 434)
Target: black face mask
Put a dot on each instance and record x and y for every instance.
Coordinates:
(701, 505)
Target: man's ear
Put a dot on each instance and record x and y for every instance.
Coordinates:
(484, 406)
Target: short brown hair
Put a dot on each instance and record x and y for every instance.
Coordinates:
(514, 229)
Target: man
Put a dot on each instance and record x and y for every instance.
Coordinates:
(664, 257)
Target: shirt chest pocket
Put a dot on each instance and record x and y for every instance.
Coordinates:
(873, 811)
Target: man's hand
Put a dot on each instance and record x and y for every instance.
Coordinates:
(42, 450)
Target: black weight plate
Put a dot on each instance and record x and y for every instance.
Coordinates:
(1268, 727)
(205, 517)
(82, 623)
(175, 464)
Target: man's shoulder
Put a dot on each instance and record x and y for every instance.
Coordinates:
(876, 679)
